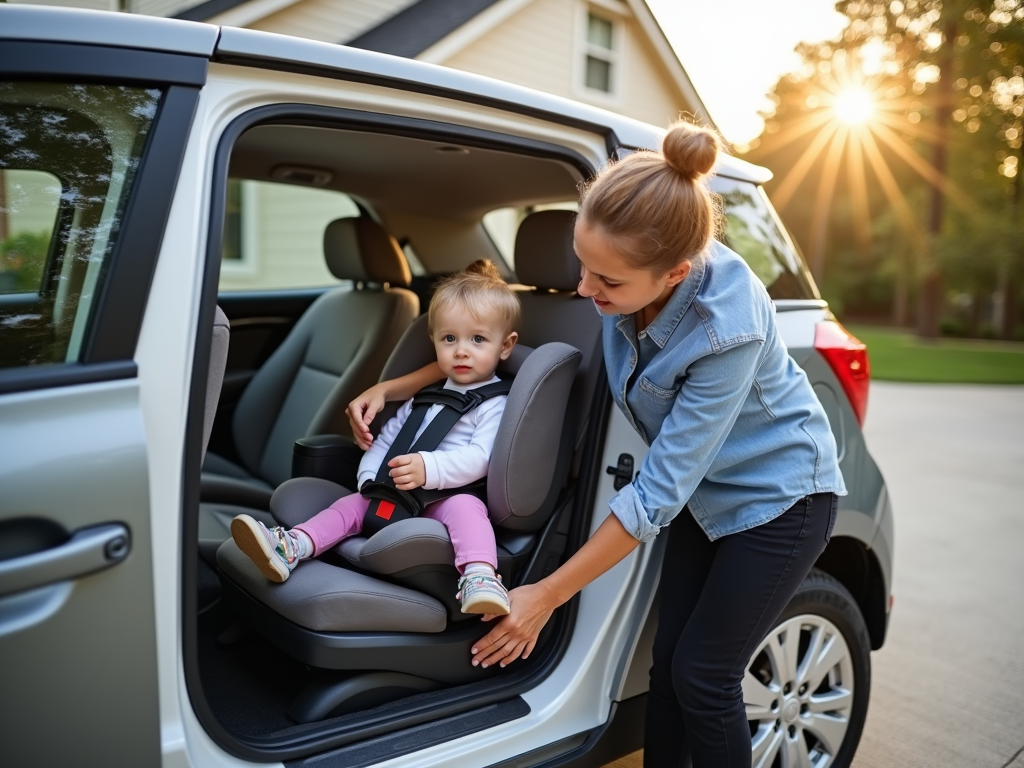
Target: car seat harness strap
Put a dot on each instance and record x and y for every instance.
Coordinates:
(389, 504)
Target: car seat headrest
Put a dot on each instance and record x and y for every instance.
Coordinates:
(528, 460)
(358, 248)
(544, 254)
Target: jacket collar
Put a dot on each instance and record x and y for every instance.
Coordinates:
(664, 325)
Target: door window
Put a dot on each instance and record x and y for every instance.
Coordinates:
(274, 235)
(68, 158)
(750, 229)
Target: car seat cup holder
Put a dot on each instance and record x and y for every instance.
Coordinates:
(328, 457)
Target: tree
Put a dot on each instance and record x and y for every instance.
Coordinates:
(944, 79)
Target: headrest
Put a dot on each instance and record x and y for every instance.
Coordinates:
(359, 249)
(544, 254)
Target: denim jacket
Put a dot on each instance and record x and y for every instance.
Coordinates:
(735, 431)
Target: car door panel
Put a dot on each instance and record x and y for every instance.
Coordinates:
(75, 460)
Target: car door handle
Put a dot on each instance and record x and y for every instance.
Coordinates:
(89, 550)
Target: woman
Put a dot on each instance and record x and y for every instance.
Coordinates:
(742, 465)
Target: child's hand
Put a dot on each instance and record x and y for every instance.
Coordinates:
(408, 471)
(360, 414)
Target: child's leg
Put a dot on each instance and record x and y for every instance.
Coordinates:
(277, 551)
(469, 528)
(476, 556)
(342, 519)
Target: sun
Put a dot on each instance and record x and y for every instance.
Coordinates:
(854, 106)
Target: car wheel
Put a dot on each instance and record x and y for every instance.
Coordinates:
(807, 685)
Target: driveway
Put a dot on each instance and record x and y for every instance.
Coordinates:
(949, 684)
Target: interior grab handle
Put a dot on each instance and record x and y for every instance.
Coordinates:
(89, 550)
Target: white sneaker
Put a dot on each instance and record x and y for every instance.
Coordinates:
(482, 593)
(275, 552)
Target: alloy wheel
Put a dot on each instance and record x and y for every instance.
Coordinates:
(799, 693)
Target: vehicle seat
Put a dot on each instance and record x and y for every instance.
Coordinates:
(335, 351)
(337, 618)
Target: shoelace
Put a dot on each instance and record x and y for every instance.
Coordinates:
(483, 580)
(287, 547)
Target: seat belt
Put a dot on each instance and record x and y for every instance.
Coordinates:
(389, 504)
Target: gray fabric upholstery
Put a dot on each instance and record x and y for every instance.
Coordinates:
(215, 520)
(224, 489)
(215, 375)
(544, 253)
(298, 499)
(324, 598)
(527, 443)
(335, 351)
(359, 249)
(405, 544)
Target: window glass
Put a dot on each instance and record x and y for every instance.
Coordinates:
(599, 31)
(274, 235)
(750, 229)
(68, 158)
(599, 74)
(502, 224)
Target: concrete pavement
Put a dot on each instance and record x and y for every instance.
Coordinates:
(949, 685)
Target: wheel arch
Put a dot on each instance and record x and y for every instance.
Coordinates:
(857, 568)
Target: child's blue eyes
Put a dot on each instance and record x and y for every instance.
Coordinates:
(450, 338)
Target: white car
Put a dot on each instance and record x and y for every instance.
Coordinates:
(155, 169)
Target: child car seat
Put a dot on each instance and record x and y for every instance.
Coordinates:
(342, 618)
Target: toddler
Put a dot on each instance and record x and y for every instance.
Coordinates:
(471, 320)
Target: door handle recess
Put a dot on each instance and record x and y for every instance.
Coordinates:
(89, 550)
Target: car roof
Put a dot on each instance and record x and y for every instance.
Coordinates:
(273, 51)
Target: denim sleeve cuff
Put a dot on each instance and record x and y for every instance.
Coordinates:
(626, 506)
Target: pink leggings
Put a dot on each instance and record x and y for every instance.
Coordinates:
(463, 515)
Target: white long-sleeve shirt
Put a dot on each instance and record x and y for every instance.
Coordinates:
(464, 453)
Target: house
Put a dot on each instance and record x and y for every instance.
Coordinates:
(608, 53)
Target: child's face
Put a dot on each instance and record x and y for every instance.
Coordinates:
(468, 350)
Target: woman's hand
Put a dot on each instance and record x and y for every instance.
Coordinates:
(361, 412)
(516, 634)
(408, 471)
(533, 604)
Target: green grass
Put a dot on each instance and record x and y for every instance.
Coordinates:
(898, 355)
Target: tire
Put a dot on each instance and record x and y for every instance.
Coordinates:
(807, 707)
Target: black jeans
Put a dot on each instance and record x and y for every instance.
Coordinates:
(718, 601)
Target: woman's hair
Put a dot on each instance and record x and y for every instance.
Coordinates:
(480, 290)
(656, 206)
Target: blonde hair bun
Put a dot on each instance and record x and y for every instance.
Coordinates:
(690, 150)
(485, 268)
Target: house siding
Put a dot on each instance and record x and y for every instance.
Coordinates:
(538, 48)
(330, 21)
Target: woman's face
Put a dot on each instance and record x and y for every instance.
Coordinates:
(617, 287)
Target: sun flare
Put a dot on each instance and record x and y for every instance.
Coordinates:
(854, 106)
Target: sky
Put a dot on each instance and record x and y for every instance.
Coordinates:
(735, 50)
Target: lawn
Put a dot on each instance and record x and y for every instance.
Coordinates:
(898, 355)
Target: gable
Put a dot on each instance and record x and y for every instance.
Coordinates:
(541, 46)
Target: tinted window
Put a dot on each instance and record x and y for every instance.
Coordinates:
(752, 231)
(68, 157)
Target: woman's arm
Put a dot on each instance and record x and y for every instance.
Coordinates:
(532, 605)
(361, 411)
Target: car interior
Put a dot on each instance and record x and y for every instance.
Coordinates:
(368, 638)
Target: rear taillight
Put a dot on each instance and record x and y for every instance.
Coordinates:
(848, 357)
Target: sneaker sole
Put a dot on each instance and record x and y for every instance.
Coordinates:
(253, 543)
(485, 605)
